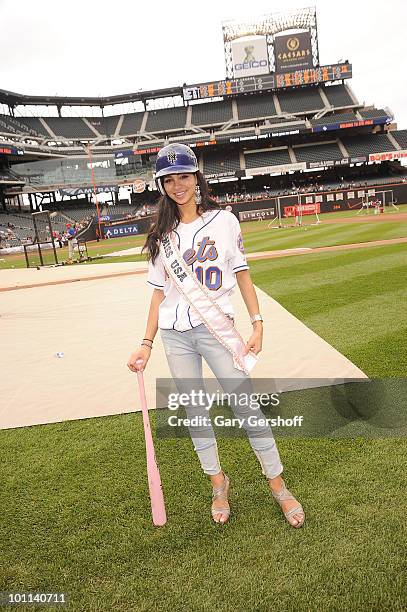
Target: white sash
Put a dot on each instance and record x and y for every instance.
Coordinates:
(207, 309)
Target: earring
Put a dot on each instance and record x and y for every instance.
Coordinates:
(198, 197)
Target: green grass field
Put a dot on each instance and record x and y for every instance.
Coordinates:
(257, 237)
(74, 495)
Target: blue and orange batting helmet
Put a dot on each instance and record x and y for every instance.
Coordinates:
(174, 159)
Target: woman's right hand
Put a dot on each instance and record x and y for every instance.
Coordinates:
(143, 354)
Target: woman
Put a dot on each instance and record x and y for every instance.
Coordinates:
(208, 242)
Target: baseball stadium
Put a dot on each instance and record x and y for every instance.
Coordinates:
(318, 181)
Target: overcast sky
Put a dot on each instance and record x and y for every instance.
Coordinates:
(88, 47)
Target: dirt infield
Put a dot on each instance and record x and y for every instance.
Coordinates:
(310, 251)
(77, 355)
(72, 280)
(23, 279)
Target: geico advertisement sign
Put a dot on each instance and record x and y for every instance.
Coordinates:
(250, 57)
(250, 65)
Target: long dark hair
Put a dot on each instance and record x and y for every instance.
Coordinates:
(168, 217)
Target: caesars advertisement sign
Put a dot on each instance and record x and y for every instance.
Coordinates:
(293, 51)
(250, 57)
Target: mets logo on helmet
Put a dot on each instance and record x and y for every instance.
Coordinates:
(172, 157)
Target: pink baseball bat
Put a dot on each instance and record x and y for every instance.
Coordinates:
(154, 481)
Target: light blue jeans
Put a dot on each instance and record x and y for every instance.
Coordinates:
(184, 351)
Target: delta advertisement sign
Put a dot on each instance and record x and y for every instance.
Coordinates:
(122, 230)
(250, 57)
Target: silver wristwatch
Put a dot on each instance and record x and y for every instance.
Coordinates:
(256, 317)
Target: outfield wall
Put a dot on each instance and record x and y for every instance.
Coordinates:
(330, 201)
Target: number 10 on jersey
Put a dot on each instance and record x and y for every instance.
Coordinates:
(211, 277)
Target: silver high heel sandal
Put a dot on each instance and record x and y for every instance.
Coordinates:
(221, 493)
(285, 495)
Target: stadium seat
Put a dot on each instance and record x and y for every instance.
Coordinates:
(318, 152)
(217, 164)
(338, 95)
(267, 158)
(335, 118)
(280, 120)
(401, 137)
(256, 106)
(367, 143)
(166, 119)
(300, 100)
(372, 113)
(71, 128)
(131, 124)
(28, 126)
(211, 113)
(106, 126)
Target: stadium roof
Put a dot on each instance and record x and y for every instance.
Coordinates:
(14, 99)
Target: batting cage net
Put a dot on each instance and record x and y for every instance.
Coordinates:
(42, 250)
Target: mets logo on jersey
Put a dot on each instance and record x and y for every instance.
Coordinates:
(210, 276)
(240, 243)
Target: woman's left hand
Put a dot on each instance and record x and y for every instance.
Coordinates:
(256, 339)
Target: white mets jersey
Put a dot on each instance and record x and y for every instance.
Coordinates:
(212, 247)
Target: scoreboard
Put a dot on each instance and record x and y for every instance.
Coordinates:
(266, 82)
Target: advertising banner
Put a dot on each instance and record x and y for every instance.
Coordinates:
(281, 169)
(122, 230)
(252, 215)
(349, 124)
(139, 186)
(250, 57)
(388, 155)
(89, 190)
(293, 51)
(6, 149)
(225, 174)
(261, 136)
(327, 163)
(303, 209)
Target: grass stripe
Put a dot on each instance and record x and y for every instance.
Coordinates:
(348, 313)
(81, 517)
(382, 354)
(295, 265)
(328, 277)
(347, 293)
(367, 318)
(328, 235)
(76, 512)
